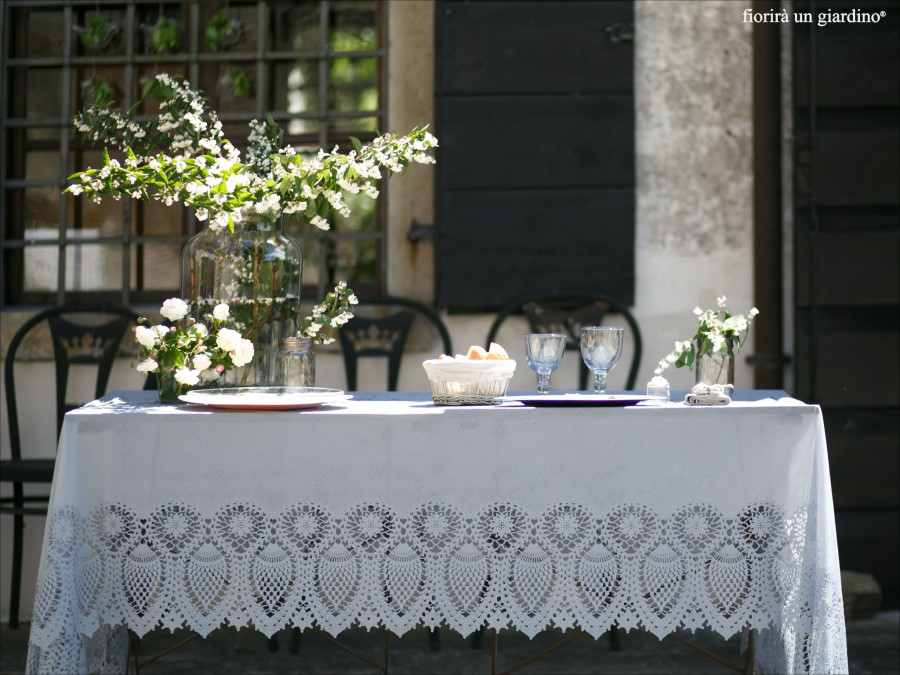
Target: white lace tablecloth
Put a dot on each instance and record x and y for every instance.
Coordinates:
(398, 513)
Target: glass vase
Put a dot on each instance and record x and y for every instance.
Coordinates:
(296, 363)
(715, 368)
(255, 270)
(168, 387)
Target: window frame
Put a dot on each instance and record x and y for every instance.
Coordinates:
(198, 64)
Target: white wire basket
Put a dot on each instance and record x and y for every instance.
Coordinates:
(469, 382)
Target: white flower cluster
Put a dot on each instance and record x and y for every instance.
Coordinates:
(715, 329)
(200, 168)
(187, 350)
(241, 350)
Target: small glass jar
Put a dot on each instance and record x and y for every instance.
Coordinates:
(296, 363)
(658, 388)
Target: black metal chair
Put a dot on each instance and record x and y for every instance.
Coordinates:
(94, 340)
(566, 311)
(381, 328)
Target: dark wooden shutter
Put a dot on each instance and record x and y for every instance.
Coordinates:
(847, 265)
(534, 110)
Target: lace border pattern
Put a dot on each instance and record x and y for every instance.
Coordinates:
(501, 567)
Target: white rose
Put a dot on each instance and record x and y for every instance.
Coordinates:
(146, 336)
(174, 309)
(242, 354)
(187, 376)
(209, 375)
(220, 312)
(148, 366)
(228, 339)
(201, 362)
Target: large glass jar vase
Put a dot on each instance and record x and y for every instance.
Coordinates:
(256, 270)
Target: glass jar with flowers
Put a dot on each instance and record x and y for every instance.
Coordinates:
(296, 363)
(711, 350)
(242, 258)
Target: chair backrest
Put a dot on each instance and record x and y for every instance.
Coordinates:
(566, 311)
(95, 339)
(384, 334)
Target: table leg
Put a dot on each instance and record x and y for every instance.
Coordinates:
(750, 663)
(380, 667)
(706, 652)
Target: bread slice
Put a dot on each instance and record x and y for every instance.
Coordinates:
(497, 352)
(476, 353)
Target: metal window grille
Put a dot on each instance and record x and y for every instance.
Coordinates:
(317, 66)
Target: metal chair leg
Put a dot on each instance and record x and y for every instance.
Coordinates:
(15, 588)
(134, 645)
(434, 639)
(495, 638)
(613, 634)
(296, 640)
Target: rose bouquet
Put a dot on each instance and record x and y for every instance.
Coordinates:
(188, 353)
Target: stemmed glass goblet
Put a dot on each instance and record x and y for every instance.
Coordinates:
(601, 347)
(544, 352)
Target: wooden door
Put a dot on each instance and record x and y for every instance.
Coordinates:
(846, 97)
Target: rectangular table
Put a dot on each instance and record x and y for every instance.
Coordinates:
(398, 513)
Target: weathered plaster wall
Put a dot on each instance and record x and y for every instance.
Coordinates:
(693, 105)
(410, 103)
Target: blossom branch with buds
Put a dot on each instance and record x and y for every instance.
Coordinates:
(334, 312)
(715, 330)
(183, 157)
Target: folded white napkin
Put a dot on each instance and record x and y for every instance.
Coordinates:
(705, 394)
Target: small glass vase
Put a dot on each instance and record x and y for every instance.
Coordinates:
(715, 368)
(296, 363)
(168, 387)
(255, 270)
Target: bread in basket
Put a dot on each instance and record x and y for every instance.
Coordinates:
(463, 380)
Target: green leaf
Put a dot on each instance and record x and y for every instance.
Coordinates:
(356, 144)
(690, 356)
(732, 321)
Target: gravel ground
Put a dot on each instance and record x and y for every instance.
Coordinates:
(873, 647)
